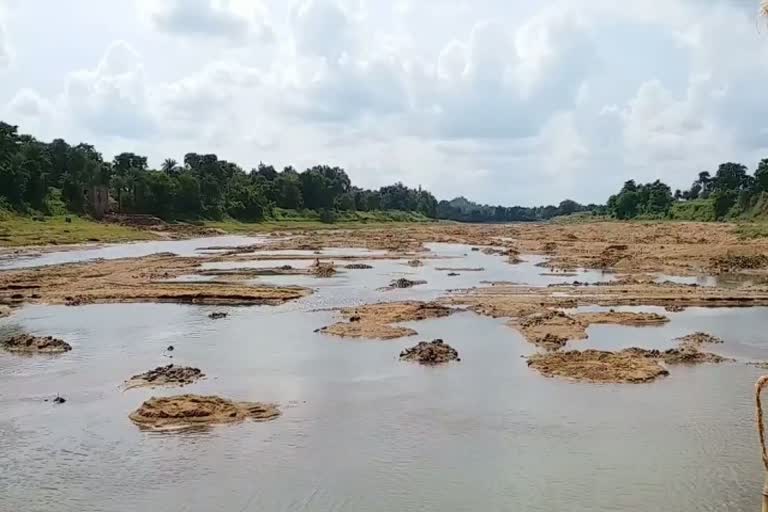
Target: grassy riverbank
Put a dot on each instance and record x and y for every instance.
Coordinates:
(21, 230)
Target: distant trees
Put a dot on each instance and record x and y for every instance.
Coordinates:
(731, 191)
(461, 209)
(203, 186)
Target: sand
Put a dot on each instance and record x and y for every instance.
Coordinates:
(134, 280)
(598, 366)
(377, 321)
(184, 411)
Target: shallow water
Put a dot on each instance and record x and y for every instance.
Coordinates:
(362, 431)
(193, 247)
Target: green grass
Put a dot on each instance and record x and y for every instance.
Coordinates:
(752, 231)
(19, 230)
(22, 230)
(308, 220)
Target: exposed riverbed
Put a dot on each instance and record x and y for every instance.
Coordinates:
(360, 430)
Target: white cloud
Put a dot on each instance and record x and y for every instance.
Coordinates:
(5, 51)
(112, 99)
(234, 20)
(27, 104)
(321, 28)
(524, 102)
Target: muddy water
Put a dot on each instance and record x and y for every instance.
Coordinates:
(362, 431)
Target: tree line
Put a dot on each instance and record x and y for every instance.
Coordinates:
(463, 210)
(729, 192)
(34, 173)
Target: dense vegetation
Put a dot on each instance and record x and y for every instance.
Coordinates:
(43, 177)
(731, 193)
(57, 177)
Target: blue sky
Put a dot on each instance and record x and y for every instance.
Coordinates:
(504, 101)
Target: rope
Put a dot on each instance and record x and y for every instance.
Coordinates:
(761, 383)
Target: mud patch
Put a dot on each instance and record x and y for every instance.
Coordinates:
(27, 343)
(169, 375)
(598, 366)
(430, 353)
(218, 315)
(358, 266)
(184, 411)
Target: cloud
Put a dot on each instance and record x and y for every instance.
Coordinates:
(233, 20)
(5, 51)
(213, 93)
(27, 104)
(112, 99)
(321, 28)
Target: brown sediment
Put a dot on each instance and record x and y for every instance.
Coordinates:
(144, 279)
(430, 353)
(622, 318)
(4, 311)
(35, 344)
(168, 375)
(550, 329)
(698, 339)
(184, 411)
(378, 321)
(668, 295)
(324, 270)
(598, 366)
(415, 263)
(682, 355)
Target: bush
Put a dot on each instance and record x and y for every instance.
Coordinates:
(328, 216)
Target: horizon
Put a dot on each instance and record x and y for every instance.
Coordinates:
(419, 93)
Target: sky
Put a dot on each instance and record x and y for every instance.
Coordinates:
(502, 101)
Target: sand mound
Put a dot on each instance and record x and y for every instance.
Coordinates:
(169, 375)
(376, 320)
(194, 410)
(324, 270)
(682, 355)
(430, 353)
(551, 329)
(598, 366)
(699, 338)
(622, 318)
(35, 344)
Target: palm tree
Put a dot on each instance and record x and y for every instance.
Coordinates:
(169, 165)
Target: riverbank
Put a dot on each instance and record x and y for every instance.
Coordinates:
(18, 231)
